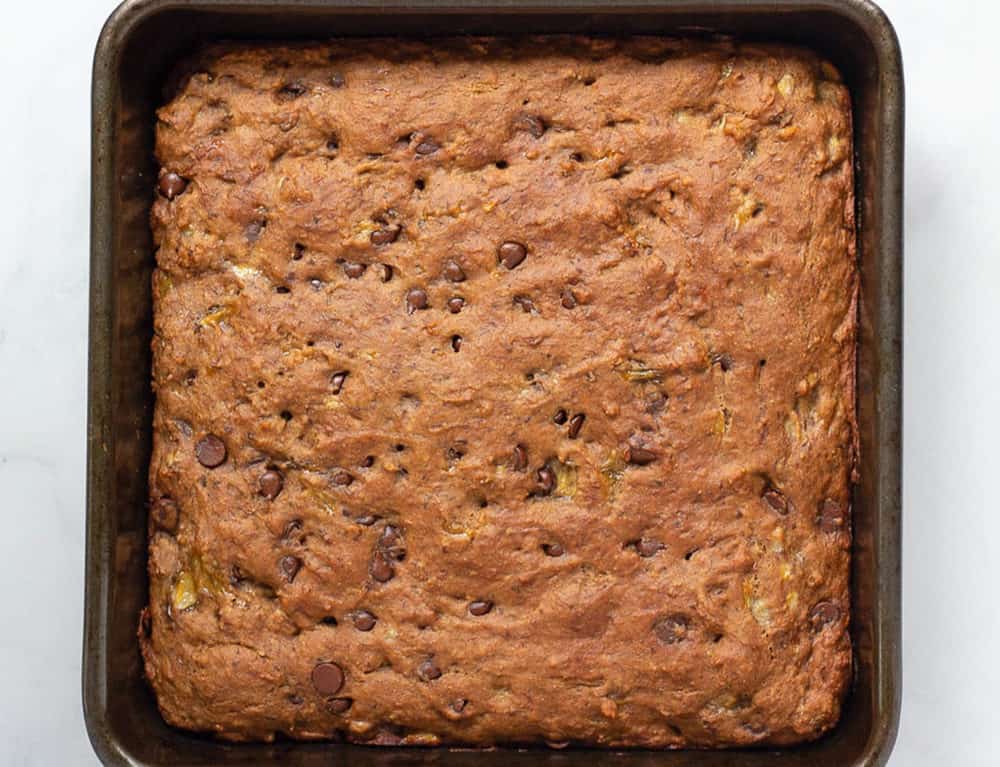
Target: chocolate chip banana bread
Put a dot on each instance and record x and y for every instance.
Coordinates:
(504, 394)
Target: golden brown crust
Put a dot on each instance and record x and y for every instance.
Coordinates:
(604, 498)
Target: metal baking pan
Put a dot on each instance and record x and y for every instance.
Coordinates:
(140, 43)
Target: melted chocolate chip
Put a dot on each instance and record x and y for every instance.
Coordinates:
(270, 484)
(575, 424)
(553, 549)
(831, 516)
(342, 478)
(458, 706)
(526, 304)
(546, 480)
(428, 670)
(171, 185)
(455, 304)
(327, 678)
(165, 515)
(427, 145)
(210, 451)
(647, 547)
(672, 629)
(775, 500)
(390, 543)
(534, 125)
(354, 270)
(823, 614)
(338, 705)
(290, 567)
(520, 459)
(479, 608)
(364, 620)
(254, 230)
(511, 254)
(560, 417)
(337, 381)
(416, 300)
(292, 90)
(453, 272)
(568, 299)
(456, 343)
(385, 235)
(639, 456)
(382, 569)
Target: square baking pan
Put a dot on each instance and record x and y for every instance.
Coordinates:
(138, 47)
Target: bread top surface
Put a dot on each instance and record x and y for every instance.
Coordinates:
(504, 393)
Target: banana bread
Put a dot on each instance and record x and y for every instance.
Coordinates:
(504, 393)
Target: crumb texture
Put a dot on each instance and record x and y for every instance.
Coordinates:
(504, 394)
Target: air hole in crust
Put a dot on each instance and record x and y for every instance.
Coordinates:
(286, 415)
(501, 164)
(420, 184)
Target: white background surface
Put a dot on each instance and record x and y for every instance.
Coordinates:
(951, 708)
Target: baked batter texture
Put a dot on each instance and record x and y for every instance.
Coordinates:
(504, 393)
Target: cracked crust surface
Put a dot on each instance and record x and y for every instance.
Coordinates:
(505, 394)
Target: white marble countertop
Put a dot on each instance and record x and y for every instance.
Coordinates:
(951, 712)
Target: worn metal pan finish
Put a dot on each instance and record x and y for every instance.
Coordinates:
(140, 43)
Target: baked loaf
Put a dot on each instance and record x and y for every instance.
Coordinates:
(505, 394)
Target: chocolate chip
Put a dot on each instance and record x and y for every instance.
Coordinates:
(298, 251)
(575, 424)
(560, 417)
(455, 304)
(831, 516)
(647, 547)
(384, 272)
(568, 299)
(823, 614)
(165, 514)
(367, 520)
(382, 569)
(416, 299)
(364, 620)
(520, 462)
(511, 254)
(655, 402)
(553, 549)
(456, 343)
(290, 567)
(171, 185)
(672, 629)
(639, 456)
(270, 484)
(337, 381)
(390, 543)
(385, 235)
(526, 304)
(458, 706)
(337, 81)
(211, 451)
(479, 608)
(534, 125)
(546, 480)
(774, 499)
(354, 270)
(453, 272)
(342, 478)
(296, 700)
(253, 231)
(292, 90)
(427, 145)
(428, 670)
(339, 705)
(724, 361)
(368, 462)
(327, 678)
(292, 529)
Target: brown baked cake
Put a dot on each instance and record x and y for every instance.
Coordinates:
(505, 394)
